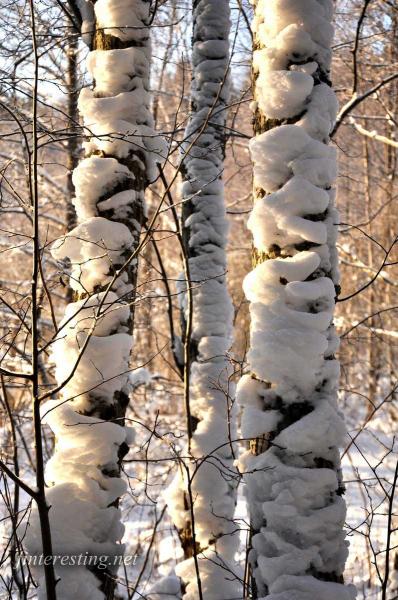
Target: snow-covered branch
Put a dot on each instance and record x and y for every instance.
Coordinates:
(373, 135)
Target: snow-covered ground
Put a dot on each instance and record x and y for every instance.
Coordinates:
(369, 466)
(368, 470)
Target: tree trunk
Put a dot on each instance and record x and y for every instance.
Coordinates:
(93, 345)
(292, 467)
(202, 504)
(375, 349)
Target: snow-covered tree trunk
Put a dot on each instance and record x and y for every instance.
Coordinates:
(292, 469)
(94, 341)
(207, 323)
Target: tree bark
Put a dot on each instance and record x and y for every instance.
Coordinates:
(92, 348)
(202, 500)
(292, 467)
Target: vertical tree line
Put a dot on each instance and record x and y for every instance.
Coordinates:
(292, 469)
(94, 340)
(202, 498)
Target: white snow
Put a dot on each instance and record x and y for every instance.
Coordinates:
(92, 178)
(95, 248)
(116, 112)
(86, 10)
(96, 376)
(125, 19)
(283, 93)
(105, 308)
(81, 518)
(217, 573)
(122, 70)
(140, 376)
(318, 120)
(284, 211)
(288, 150)
(131, 106)
(309, 587)
(75, 582)
(311, 16)
(167, 588)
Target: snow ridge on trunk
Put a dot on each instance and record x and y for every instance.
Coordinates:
(292, 469)
(205, 231)
(95, 334)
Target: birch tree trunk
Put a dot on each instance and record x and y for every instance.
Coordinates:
(93, 344)
(202, 499)
(292, 469)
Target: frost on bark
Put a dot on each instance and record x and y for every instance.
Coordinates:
(292, 469)
(93, 345)
(209, 317)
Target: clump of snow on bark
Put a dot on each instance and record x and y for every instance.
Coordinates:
(279, 218)
(320, 116)
(81, 516)
(95, 376)
(292, 471)
(95, 248)
(288, 150)
(124, 19)
(93, 178)
(120, 69)
(100, 313)
(123, 139)
(130, 106)
(92, 331)
(274, 20)
(283, 92)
